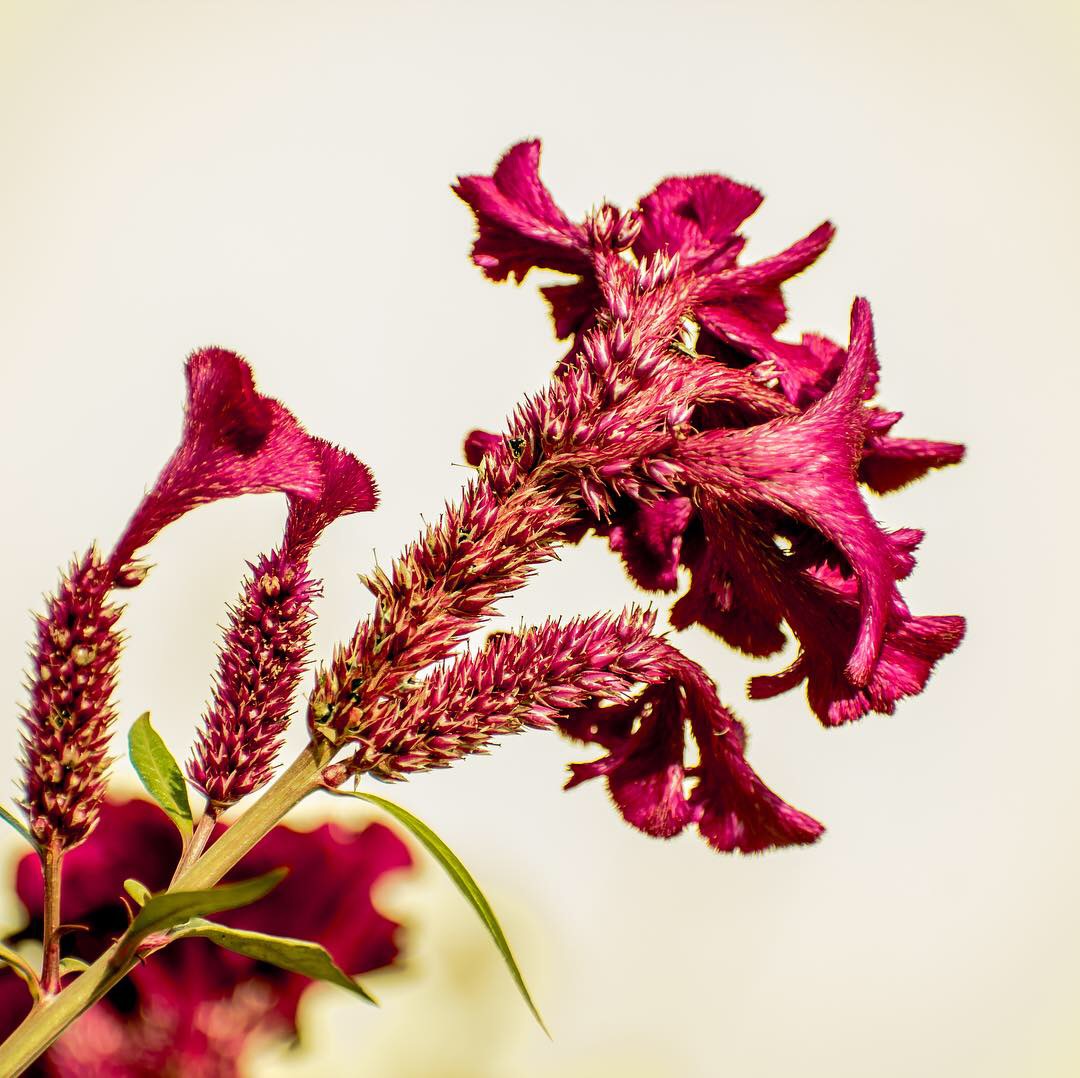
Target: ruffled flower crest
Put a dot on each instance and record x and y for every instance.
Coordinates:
(235, 441)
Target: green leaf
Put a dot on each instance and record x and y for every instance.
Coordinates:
(160, 773)
(9, 817)
(21, 968)
(171, 908)
(462, 879)
(138, 891)
(71, 964)
(297, 956)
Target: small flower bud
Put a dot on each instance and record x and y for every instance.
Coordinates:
(627, 230)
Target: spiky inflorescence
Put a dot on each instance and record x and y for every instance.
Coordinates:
(516, 680)
(266, 643)
(679, 426)
(234, 441)
(262, 660)
(68, 722)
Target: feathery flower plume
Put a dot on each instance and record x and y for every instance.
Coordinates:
(234, 442)
(582, 678)
(266, 643)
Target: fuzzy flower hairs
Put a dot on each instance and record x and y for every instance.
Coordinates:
(679, 426)
(235, 441)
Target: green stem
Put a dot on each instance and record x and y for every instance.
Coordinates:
(196, 844)
(51, 860)
(47, 1022)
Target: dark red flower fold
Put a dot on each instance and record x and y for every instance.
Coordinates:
(235, 441)
(520, 227)
(654, 787)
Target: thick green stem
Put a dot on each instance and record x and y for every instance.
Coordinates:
(47, 1022)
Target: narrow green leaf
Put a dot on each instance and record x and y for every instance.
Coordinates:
(21, 968)
(297, 956)
(171, 908)
(9, 817)
(138, 891)
(160, 773)
(71, 964)
(462, 879)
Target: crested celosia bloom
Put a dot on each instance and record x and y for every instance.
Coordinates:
(725, 466)
(195, 1008)
(683, 429)
(235, 441)
(265, 651)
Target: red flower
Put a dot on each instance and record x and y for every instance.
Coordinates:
(235, 441)
(191, 1008)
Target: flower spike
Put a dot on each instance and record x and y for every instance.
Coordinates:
(266, 645)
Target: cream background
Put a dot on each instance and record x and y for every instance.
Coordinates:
(273, 178)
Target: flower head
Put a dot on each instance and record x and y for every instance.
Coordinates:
(692, 437)
(68, 722)
(267, 640)
(235, 441)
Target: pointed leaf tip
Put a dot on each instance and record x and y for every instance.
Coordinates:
(464, 882)
(160, 773)
(295, 955)
(138, 891)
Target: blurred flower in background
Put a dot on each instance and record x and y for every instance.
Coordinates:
(196, 1009)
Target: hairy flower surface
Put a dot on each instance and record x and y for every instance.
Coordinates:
(68, 723)
(194, 1008)
(700, 440)
(267, 640)
(235, 441)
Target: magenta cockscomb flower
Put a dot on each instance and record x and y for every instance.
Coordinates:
(583, 677)
(194, 1008)
(728, 452)
(234, 442)
(266, 644)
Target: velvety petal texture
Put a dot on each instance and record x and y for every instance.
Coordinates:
(235, 441)
(519, 225)
(654, 787)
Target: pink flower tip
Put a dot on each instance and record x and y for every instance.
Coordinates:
(235, 441)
